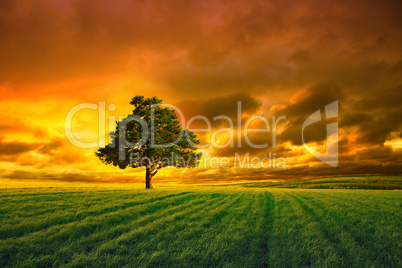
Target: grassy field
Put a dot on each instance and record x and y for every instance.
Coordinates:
(204, 226)
(356, 182)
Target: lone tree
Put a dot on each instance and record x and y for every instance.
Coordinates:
(150, 137)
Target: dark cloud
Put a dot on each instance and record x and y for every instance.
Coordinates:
(226, 105)
(313, 133)
(315, 97)
(50, 147)
(86, 38)
(387, 98)
(47, 176)
(397, 67)
(378, 131)
(345, 146)
(305, 103)
(344, 169)
(300, 56)
(209, 81)
(15, 148)
(246, 148)
(13, 125)
(356, 118)
(4, 127)
(202, 46)
(382, 154)
(19, 152)
(374, 117)
(69, 176)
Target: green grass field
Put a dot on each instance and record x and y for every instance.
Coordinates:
(356, 182)
(203, 226)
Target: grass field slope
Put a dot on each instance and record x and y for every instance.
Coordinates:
(213, 227)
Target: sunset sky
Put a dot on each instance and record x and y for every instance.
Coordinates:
(287, 58)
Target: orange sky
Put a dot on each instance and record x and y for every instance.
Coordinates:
(278, 58)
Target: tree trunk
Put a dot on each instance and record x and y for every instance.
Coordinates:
(148, 177)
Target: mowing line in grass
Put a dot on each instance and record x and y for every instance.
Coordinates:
(172, 234)
(18, 230)
(297, 239)
(106, 204)
(366, 240)
(329, 234)
(121, 244)
(68, 232)
(54, 235)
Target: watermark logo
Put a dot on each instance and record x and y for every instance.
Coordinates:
(235, 127)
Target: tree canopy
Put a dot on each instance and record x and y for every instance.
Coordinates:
(150, 137)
